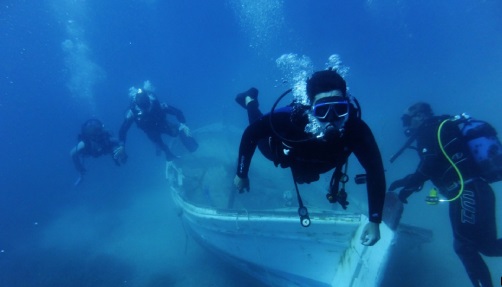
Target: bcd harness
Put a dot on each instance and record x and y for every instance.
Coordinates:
(335, 193)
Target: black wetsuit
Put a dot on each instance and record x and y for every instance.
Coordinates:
(100, 145)
(310, 158)
(94, 146)
(472, 216)
(154, 123)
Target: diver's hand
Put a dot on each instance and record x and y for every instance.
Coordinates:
(408, 184)
(184, 128)
(242, 184)
(119, 155)
(405, 193)
(371, 234)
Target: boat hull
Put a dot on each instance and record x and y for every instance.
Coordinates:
(272, 246)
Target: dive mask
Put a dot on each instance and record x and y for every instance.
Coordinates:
(331, 114)
(331, 109)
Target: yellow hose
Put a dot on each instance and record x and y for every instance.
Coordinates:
(460, 177)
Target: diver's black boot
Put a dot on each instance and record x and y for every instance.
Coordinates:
(241, 98)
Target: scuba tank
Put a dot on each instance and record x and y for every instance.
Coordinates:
(484, 149)
(484, 146)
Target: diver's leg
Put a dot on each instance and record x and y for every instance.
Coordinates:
(170, 128)
(254, 112)
(465, 223)
(474, 265)
(488, 242)
(181, 130)
(249, 101)
(156, 138)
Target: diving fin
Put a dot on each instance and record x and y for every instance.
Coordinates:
(189, 142)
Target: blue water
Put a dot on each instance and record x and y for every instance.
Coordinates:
(64, 61)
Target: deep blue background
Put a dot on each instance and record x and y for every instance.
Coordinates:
(199, 54)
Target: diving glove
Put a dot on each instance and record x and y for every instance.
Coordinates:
(185, 129)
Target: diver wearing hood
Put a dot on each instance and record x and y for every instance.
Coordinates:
(314, 139)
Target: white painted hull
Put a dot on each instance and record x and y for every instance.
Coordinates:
(272, 246)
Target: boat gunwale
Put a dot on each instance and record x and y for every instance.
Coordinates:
(317, 216)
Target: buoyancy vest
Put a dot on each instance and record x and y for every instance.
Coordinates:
(484, 146)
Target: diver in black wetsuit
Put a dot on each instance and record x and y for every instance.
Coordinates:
(472, 208)
(150, 116)
(95, 141)
(338, 132)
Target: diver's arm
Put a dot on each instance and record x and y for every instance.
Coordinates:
(117, 151)
(409, 184)
(256, 131)
(113, 142)
(173, 111)
(247, 148)
(126, 124)
(367, 152)
(76, 157)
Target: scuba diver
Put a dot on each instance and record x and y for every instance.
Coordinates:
(446, 160)
(315, 139)
(150, 116)
(95, 141)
